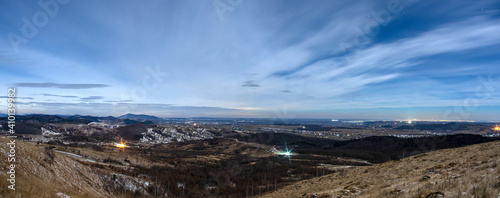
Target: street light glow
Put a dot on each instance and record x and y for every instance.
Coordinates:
(121, 145)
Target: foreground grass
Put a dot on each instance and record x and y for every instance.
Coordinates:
(470, 171)
(37, 175)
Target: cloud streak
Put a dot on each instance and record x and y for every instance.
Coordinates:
(60, 96)
(250, 83)
(379, 63)
(91, 98)
(162, 110)
(27, 98)
(60, 86)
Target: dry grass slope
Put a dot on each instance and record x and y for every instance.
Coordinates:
(461, 172)
(471, 171)
(39, 176)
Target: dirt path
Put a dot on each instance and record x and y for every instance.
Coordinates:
(83, 159)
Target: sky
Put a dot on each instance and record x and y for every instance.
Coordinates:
(384, 59)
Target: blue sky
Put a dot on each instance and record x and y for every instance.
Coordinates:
(389, 59)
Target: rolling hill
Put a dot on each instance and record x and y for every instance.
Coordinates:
(470, 171)
(139, 117)
(42, 171)
(48, 171)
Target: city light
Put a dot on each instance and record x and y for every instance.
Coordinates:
(286, 153)
(497, 128)
(121, 145)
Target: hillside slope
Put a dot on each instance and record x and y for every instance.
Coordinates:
(470, 171)
(40, 175)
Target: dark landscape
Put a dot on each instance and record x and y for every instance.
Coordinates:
(250, 98)
(202, 159)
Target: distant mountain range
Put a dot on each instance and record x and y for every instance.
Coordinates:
(139, 117)
(91, 118)
(136, 117)
(127, 118)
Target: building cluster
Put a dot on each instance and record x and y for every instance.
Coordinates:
(168, 135)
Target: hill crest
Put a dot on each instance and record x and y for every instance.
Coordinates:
(470, 171)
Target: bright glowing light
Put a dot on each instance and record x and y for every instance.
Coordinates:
(285, 153)
(409, 121)
(497, 128)
(121, 145)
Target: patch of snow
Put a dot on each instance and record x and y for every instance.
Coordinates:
(62, 195)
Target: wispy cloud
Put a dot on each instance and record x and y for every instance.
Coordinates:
(60, 96)
(60, 86)
(379, 63)
(250, 83)
(162, 110)
(27, 98)
(119, 101)
(91, 98)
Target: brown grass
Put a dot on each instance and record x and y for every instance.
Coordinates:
(39, 175)
(461, 172)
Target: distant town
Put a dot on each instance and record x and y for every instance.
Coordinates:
(145, 129)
